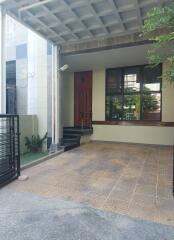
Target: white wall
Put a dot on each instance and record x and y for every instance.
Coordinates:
(134, 134)
(98, 95)
(37, 80)
(28, 127)
(68, 99)
(16, 34)
(31, 72)
(167, 99)
(42, 85)
(49, 95)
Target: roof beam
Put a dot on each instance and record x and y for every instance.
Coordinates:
(98, 18)
(43, 14)
(12, 4)
(60, 22)
(29, 6)
(53, 34)
(137, 7)
(113, 5)
(79, 20)
(45, 26)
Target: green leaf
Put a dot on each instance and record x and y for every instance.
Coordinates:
(159, 27)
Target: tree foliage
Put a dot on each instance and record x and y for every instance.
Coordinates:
(150, 102)
(159, 27)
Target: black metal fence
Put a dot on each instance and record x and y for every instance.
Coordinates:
(9, 148)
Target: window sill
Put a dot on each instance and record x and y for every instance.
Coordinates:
(135, 123)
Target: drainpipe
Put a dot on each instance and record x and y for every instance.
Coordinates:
(57, 129)
(2, 62)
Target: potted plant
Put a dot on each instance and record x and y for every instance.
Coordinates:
(34, 144)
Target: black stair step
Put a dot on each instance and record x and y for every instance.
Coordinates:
(81, 131)
(68, 140)
(71, 137)
(69, 146)
(72, 131)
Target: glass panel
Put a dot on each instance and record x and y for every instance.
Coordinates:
(151, 106)
(114, 107)
(21, 51)
(152, 78)
(151, 87)
(131, 107)
(113, 81)
(11, 73)
(132, 80)
(107, 107)
(132, 104)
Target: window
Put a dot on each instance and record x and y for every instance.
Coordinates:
(11, 73)
(21, 51)
(133, 93)
(49, 48)
(11, 87)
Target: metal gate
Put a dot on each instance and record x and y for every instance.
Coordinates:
(9, 148)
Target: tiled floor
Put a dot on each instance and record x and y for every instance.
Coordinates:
(129, 179)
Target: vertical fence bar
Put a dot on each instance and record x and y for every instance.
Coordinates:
(9, 148)
(13, 152)
(18, 146)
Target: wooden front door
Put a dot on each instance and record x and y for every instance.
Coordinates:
(83, 99)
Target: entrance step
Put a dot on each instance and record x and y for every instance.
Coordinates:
(81, 131)
(72, 136)
(69, 146)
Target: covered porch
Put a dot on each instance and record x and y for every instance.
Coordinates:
(119, 185)
(95, 38)
(148, 127)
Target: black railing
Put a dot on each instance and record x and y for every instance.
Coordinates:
(9, 148)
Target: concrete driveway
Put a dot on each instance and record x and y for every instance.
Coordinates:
(98, 191)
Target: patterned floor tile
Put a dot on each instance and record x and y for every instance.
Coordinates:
(124, 178)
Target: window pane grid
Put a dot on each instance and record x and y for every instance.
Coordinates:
(138, 99)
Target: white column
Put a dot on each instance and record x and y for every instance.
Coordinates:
(32, 73)
(54, 73)
(57, 130)
(2, 62)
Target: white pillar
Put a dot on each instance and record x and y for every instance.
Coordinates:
(32, 73)
(54, 72)
(57, 130)
(2, 62)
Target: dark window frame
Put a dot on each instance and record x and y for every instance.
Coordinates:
(140, 92)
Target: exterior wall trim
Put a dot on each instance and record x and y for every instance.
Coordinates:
(135, 123)
(104, 48)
